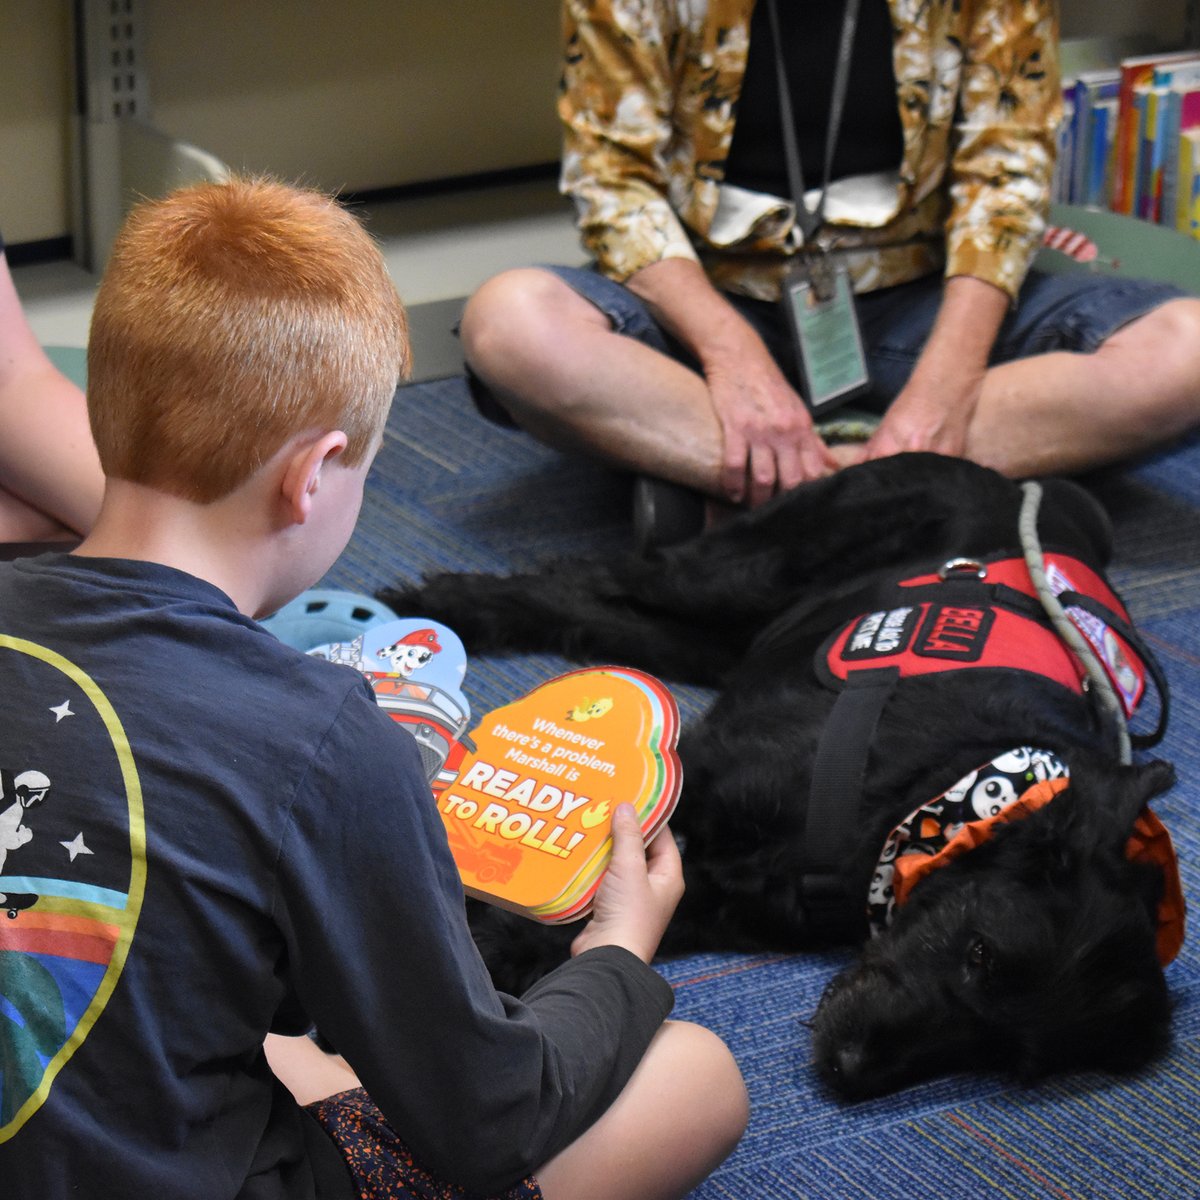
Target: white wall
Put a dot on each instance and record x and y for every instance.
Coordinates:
(35, 100)
(359, 94)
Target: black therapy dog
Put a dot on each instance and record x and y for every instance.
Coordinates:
(1036, 951)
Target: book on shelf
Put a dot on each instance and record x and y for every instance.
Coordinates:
(1181, 112)
(1135, 71)
(1159, 115)
(1094, 110)
(1187, 209)
(1064, 150)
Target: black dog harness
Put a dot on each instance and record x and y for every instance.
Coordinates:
(969, 615)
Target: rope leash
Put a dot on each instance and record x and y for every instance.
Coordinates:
(1066, 629)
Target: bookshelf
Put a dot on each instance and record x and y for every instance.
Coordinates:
(1130, 138)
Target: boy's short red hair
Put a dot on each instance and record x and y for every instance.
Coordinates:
(230, 318)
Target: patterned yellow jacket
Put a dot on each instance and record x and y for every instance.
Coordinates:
(648, 97)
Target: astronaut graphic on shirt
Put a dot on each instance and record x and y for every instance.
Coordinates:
(26, 790)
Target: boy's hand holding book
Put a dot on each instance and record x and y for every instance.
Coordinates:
(639, 893)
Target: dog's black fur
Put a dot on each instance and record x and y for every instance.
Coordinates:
(1035, 952)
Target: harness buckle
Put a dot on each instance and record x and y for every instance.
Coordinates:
(958, 568)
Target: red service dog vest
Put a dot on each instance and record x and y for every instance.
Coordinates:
(1001, 624)
(967, 616)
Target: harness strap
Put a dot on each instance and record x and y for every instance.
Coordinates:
(835, 792)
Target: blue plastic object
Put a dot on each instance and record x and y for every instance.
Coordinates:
(320, 616)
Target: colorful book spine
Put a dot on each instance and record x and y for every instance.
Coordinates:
(1136, 180)
(1099, 175)
(1187, 215)
(1150, 160)
(1064, 156)
(1093, 91)
(1183, 113)
(1134, 71)
(1159, 148)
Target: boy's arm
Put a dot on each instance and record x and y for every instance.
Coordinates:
(483, 1087)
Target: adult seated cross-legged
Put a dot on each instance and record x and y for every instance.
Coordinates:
(674, 356)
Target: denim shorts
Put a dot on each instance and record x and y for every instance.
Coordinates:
(1076, 311)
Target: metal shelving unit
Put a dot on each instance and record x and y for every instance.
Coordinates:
(118, 153)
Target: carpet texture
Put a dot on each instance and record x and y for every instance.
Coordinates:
(449, 491)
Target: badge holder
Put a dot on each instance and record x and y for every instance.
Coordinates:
(816, 294)
(829, 353)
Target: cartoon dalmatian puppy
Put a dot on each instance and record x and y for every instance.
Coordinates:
(28, 788)
(411, 652)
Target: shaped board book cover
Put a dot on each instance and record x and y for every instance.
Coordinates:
(526, 799)
(528, 814)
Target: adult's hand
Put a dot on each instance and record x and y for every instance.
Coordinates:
(928, 415)
(769, 442)
(935, 409)
(638, 894)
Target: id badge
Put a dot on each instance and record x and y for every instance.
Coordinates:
(820, 308)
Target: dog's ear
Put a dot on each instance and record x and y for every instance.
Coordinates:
(1104, 800)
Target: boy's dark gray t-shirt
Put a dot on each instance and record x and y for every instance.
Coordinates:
(205, 835)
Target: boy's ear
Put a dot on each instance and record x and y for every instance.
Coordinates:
(302, 477)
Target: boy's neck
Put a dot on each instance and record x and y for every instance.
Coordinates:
(227, 543)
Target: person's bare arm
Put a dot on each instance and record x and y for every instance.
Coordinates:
(770, 443)
(47, 457)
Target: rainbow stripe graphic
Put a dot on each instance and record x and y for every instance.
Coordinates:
(60, 958)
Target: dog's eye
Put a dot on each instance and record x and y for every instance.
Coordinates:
(979, 957)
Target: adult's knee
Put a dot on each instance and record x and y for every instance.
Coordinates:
(512, 322)
(1168, 337)
(1164, 357)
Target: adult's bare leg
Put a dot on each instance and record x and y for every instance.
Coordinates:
(568, 378)
(1063, 412)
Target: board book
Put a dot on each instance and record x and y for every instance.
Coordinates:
(527, 797)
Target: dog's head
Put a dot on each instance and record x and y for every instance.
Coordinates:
(1034, 953)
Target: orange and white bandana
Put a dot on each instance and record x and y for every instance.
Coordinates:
(964, 816)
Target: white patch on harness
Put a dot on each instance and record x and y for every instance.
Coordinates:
(1125, 677)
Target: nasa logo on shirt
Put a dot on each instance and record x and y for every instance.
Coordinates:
(72, 869)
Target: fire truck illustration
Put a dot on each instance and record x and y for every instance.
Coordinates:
(479, 857)
(435, 718)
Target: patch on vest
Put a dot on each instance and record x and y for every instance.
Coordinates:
(988, 630)
(956, 633)
(880, 634)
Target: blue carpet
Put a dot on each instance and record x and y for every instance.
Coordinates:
(449, 491)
